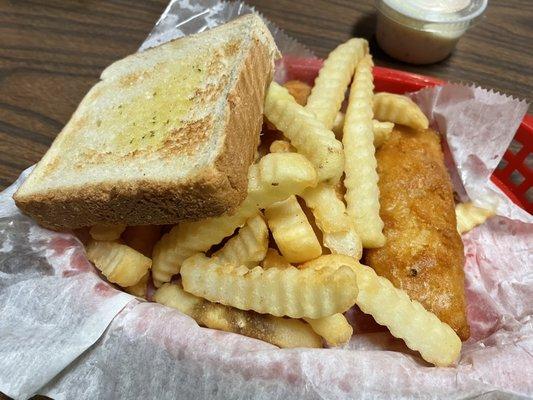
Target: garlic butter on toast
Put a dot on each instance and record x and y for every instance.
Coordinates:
(166, 135)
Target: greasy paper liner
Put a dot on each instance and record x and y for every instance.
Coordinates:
(66, 333)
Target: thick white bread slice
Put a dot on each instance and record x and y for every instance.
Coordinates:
(166, 135)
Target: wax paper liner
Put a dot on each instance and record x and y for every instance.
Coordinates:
(53, 306)
(66, 333)
(476, 153)
(186, 17)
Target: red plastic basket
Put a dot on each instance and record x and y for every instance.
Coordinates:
(394, 81)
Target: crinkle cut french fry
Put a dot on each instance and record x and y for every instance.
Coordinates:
(330, 216)
(281, 146)
(279, 176)
(335, 329)
(292, 232)
(400, 110)
(249, 246)
(469, 216)
(274, 178)
(274, 260)
(421, 330)
(106, 232)
(311, 219)
(282, 332)
(281, 292)
(188, 238)
(305, 133)
(142, 238)
(299, 90)
(382, 130)
(140, 288)
(344, 242)
(406, 319)
(361, 181)
(119, 263)
(333, 79)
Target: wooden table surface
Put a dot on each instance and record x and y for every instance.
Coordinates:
(52, 52)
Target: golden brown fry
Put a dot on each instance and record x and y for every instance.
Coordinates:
(119, 263)
(106, 232)
(311, 218)
(281, 146)
(335, 329)
(361, 181)
(292, 235)
(399, 109)
(249, 246)
(337, 228)
(330, 86)
(274, 178)
(382, 130)
(299, 90)
(281, 292)
(333, 79)
(469, 216)
(292, 232)
(305, 133)
(282, 332)
(338, 231)
(406, 319)
(139, 289)
(142, 238)
(274, 260)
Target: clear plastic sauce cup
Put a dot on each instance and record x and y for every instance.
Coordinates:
(424, 31)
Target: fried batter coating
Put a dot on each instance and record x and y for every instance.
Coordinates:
(423, 254)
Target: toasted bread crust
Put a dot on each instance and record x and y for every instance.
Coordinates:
(247, 99)
(210, 192)
(139, 203)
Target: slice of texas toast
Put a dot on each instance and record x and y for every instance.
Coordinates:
(166, 135)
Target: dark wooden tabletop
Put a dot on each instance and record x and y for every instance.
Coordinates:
(52, 52)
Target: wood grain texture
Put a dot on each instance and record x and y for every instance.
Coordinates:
(52, 52)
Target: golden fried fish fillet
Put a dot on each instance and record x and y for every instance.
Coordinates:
(423, 254)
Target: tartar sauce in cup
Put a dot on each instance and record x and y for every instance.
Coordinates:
(424, 31)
